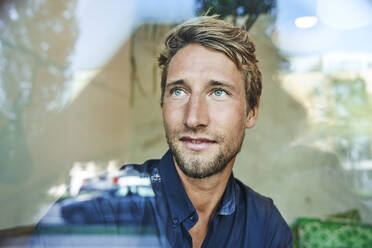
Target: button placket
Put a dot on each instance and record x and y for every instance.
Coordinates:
(174, 222)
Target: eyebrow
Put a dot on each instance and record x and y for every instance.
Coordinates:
(222, 83)
(211, 83)
(177, 82)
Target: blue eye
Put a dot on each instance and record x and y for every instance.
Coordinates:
(177, 92)
(219, 92)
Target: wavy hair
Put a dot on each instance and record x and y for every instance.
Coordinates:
(221, 36)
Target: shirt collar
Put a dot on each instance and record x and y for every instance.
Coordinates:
(228, 201)
(179, 203)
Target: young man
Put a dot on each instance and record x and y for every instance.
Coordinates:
(211, 86)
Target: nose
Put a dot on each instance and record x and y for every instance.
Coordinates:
(197, 113)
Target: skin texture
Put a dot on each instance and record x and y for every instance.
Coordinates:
(204, 114)
(204, 110)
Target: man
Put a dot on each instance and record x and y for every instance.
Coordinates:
(210, 91)
(211, 87)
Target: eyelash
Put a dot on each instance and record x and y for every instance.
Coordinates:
(171, 91)
(174, 89)
(220, 89)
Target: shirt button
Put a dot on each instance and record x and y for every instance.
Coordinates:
(192, 218)
(175, 221)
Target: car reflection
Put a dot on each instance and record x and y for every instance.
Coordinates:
(124, 200)
(117, 206)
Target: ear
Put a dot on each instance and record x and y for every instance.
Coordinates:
(251, 118)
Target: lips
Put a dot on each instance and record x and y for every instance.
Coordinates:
(197, 143)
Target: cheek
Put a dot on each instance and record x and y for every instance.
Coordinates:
(229, 116)
(172, 115)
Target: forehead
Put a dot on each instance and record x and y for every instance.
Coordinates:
(196, 62)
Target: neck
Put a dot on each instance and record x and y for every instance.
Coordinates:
(206, 193)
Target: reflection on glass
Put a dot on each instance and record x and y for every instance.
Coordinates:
(34, 75)
(74, 87)
(330, 75)
(112, 209)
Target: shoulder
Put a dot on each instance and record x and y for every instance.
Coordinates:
(150, 169)
(253, 199)
(264, 217)
(146, 167)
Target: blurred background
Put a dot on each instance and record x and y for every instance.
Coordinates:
(80, 91)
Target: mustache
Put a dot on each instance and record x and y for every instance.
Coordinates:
(186, 132)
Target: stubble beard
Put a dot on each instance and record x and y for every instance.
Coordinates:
(197, 167)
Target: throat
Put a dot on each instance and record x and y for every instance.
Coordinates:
(199, 231)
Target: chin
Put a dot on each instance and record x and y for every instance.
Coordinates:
(200, 166)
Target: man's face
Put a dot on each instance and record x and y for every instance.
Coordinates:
(204, 110)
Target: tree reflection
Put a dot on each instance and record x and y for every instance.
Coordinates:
(348, 115)
(250, 10)
(37, 40)
(348, 125)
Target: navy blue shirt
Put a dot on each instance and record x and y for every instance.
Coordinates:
(243, 218)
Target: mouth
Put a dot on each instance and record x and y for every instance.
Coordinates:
(197, 143)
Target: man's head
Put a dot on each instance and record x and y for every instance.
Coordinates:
(210, 93)
(220, 36)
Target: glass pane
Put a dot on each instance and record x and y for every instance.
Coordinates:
(80, 97)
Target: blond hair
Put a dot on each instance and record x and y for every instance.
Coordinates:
(221, 36)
